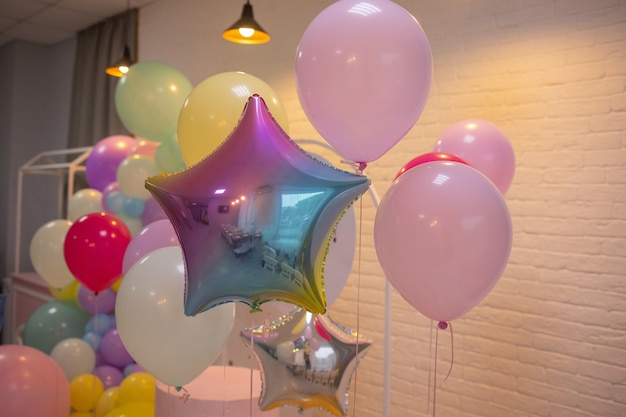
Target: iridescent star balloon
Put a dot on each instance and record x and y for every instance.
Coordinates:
(255, 217)
(306, 360)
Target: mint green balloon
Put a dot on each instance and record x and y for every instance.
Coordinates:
(53, 322)
(149, 97)
(168, 158)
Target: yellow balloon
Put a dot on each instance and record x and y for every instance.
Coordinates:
(66, 293)
(81, 414)
(108, 401)
(85, 391)
(138, 387)
(132, 410)
(213, 109)
(116, 284)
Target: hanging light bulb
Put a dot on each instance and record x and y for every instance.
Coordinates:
(246, 30)
(122, 65)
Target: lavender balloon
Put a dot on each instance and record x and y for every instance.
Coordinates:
(363, 74)
(255, 217)
(104, 159)
(113, 350)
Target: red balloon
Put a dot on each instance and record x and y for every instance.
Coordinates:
(429, 157)
(94, 249)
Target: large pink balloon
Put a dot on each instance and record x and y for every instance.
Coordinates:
(482, 145)
(31, 383)
(363, 74)
(443, 236)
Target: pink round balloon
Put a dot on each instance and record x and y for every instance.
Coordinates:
(144, 147)
(482, 145)
(31, 383)
(363, 74)
(443, 236)
(156, 235)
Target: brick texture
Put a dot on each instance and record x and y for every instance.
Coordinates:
(550, 339)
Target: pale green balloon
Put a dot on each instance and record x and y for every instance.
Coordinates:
(148, 99)
(53, 322)
(168, 157)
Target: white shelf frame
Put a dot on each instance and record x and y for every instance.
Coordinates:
(46, 163)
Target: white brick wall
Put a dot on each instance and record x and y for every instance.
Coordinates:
(550, 340)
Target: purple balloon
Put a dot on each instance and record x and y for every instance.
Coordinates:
(109, 375)
(483, 146)
(100, 359)
(95, 303)
(113, 350)
(104, 159)
(152, 212)
(255, 217)
(156, 235)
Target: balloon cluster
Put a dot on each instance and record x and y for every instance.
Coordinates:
(443, 230)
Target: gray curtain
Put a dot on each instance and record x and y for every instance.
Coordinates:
(93, 115)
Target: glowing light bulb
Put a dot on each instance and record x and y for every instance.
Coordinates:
(246, 32)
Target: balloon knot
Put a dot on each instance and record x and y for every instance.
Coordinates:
(443, 325)
(185, 396)
(359, 166)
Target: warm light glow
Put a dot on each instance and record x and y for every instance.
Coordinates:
(246, 32)
(123, 69)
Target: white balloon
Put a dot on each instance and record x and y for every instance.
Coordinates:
(83, 202)
(74, 356)
(151, 322)
(338, 264)
(133, 173)
(47, 253)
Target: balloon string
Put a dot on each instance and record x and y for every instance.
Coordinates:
(358, 303)
(435, 371)
(224, 385)
(430, 366)
(251, 368)
(444, 325)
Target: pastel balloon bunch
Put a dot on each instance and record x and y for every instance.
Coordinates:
(443, 231)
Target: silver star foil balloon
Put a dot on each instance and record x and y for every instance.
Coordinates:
(306, 360)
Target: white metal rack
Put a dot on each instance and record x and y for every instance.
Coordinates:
(63, 163)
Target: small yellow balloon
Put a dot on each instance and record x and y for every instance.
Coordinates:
(132, 410)
(116, 284)
(108, 401)
(85, 391)
(81, 414)
(213, 109)
(66, 293)
(138, 387)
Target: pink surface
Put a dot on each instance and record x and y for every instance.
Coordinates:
(217, 391)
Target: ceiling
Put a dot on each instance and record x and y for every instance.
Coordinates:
(47, 22)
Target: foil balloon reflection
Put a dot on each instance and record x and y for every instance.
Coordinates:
(255, 217)
(306, 360)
